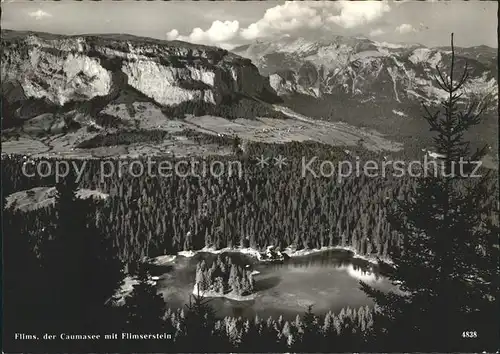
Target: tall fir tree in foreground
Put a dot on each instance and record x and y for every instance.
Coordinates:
(144, 312)
(145, 307)
(21, 276)
(447, 267)
(200, 332)
(80, 265)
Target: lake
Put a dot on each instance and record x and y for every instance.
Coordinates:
(328, 280)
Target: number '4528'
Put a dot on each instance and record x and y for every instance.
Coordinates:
(469, 334)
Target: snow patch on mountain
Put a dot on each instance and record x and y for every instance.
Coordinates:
(481, 87)
(361, 67)
(299, 46)
(393, 75)
(392, 45)
(399, 113)
(331, 56)
(425, 55)
(283, 86)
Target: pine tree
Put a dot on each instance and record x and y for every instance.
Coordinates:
(21, 277)
(219, 285)
(199, 332)
(250, 336)
(236, 145)
(202, 279)
(233, 332)
(62, 258)
(449, 250)
(78, 262)
(145, 307)
(290, 334)
(309, 329)
(233, 281)
(199, 274)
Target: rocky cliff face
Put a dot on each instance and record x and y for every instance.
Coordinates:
(43, 72)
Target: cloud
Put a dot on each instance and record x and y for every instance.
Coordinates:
(297, 16)
(219, 33)
(357, 13)
(376, 32)
(39, 14)
(405, 28)
(173, 35)
(288, 17)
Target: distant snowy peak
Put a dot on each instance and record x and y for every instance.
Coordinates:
(425, 55)
(359, 66)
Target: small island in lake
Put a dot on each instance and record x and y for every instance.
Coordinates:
(224, 278)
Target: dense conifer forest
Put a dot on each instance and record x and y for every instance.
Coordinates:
(231, 108)
(153, 216)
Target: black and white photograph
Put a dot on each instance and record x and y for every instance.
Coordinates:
(250, 176)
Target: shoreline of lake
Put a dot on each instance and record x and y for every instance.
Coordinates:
(229, 295)
(326, 278)
(252, 252)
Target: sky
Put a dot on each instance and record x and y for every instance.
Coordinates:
(230, 23)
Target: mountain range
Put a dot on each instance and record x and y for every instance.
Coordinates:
(116, 94)
(374, 84)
